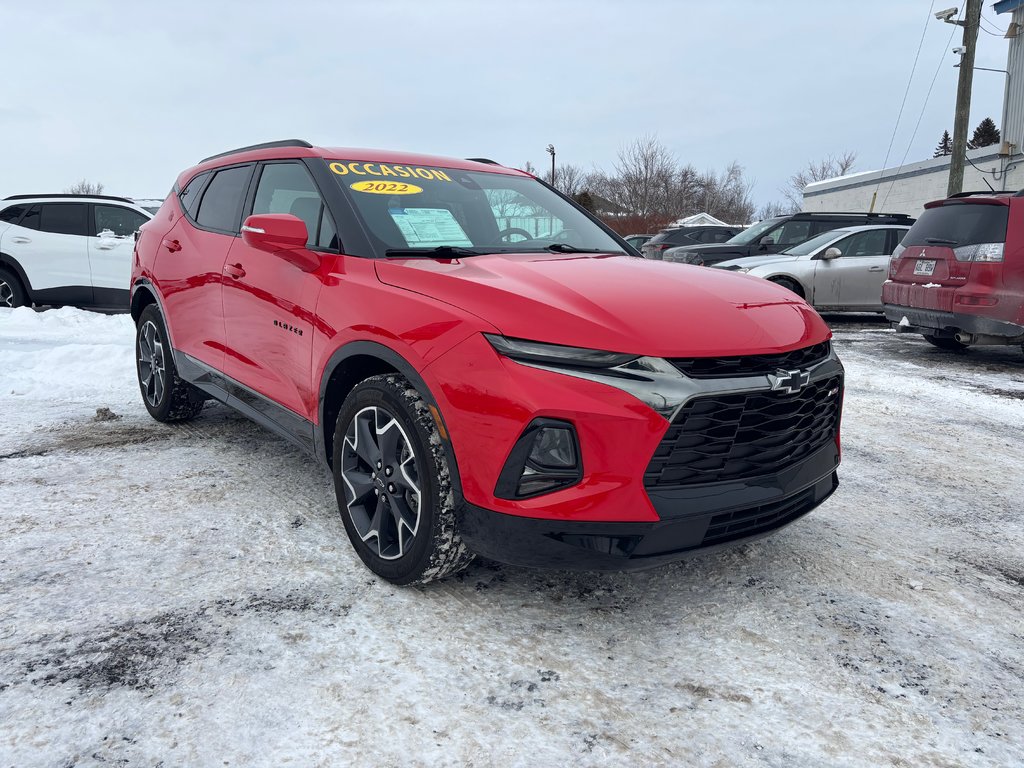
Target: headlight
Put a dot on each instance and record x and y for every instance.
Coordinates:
(556, 354)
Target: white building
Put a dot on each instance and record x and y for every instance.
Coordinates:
(906, 189)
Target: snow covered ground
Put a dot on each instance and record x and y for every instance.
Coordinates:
(186, 596)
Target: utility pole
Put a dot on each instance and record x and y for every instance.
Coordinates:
(971, 22)
(551, 151)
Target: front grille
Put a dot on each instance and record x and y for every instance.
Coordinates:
(748, 522)
(734, 437)
(750, 365)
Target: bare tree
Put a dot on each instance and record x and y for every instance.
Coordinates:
(771, 210)
(569, 179)
(726, 196)
(84, 187)
(529, 168)
(829, 168)
(643, 180)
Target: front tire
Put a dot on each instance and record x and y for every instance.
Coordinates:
(393, 484)
(166, 396)
(950, 345)
(789, 285)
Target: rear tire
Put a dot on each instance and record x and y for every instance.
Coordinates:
(166, 396)
(393, 484)
(950, 345)
(12, 293)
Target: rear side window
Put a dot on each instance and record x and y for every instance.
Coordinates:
(221, 205)
(63, 218)
(121, 221)
(12, 214)
(190, 194)
(957, 224)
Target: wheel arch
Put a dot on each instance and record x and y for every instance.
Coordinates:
(354, 363)
(775, 278)
(12, 264)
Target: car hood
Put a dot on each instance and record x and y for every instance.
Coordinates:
(616, 303)
(750, 262)
(711, 248)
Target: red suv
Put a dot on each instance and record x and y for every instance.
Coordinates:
(958, 275)
(481, 363)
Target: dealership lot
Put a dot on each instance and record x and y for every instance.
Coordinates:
(187, 594)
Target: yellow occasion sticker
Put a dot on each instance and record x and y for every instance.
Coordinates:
(386, 188)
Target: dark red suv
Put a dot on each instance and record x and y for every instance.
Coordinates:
(958, 275)
(481, 363)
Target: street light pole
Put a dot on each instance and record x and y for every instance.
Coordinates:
(551, 151)
(971, 22)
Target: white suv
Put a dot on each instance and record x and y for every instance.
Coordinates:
(67, 249)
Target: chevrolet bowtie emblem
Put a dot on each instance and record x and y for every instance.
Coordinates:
(789, 382)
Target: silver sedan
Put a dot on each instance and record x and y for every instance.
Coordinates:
(840, 270)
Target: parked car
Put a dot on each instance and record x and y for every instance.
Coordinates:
(540, 402)
(67, 249)
(839, 271)
(777, 234)
(637, 241)
(958, 276)
(676, 236)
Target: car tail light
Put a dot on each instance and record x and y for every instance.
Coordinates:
(979, 252)
(894, 260)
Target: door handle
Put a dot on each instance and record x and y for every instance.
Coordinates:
(172, 245)
(20, 240)
(235, 270)
(876, 269)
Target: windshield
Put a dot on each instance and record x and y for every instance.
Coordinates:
(753, 233)
(409, 209)
(810, 246)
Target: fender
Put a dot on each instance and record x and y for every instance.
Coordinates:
(145, 284)
(12, 263)
(405, 368)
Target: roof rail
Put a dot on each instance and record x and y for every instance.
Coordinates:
(70, 194)
(483, 160)
(855, 213)
(264, 145)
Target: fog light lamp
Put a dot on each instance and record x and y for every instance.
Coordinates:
(545, 458)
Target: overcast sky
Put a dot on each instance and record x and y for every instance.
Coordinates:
(129, 94)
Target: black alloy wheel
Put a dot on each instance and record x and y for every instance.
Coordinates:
(380, 474)
(166, 396)
(394, 485)
(11, 293)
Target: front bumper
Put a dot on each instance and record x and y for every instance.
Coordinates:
(933, 322)
(700, 523)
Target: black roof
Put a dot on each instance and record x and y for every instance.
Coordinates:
(843, 214)
(70, 194)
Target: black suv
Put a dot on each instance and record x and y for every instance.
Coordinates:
(676, 236)
(778, 234)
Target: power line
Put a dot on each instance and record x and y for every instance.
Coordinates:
(913, 69)
(919, 117)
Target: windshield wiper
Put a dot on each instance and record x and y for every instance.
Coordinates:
(566, 248)
(441, 251)
(940, 241)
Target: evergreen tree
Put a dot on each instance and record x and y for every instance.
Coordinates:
(945, 145)
(986, 134)
(584, 199)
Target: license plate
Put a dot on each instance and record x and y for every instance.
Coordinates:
(924, 267)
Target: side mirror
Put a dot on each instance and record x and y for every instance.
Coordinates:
(281, 234)
(766, 240)
(831, 253)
